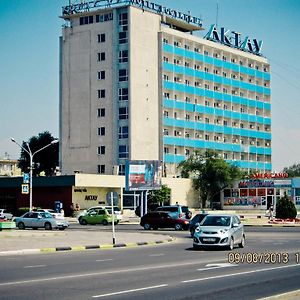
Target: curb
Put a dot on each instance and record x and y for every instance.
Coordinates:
(83, 248)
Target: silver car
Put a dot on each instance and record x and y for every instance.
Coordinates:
(219, 231)
(40, 220)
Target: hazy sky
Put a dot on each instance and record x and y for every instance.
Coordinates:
(29, 64)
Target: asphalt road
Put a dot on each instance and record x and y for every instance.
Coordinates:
(268, 265)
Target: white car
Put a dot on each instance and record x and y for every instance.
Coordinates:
(117, 211)
(5, 214)
(219, 231)
(50, 211)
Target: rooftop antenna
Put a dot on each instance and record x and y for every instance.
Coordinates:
(217, 14)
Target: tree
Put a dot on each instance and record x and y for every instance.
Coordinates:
(285, 208)
(45, 160)
(210, 174)
(160, 197)
(293, 171)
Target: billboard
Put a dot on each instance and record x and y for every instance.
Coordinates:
(143, 175)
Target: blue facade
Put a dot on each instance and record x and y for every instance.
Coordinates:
(171, 104)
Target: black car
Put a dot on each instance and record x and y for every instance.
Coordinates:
(194, 223)
(159, 219)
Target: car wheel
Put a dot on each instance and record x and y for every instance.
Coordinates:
(104, 222)
(48, 226)
(21, 225)
(231, 244)
(196, 247)
(242, 243)
(178, 227)
(147, 226)
(82, 221)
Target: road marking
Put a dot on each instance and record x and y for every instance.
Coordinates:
(109, 259)
(158, 254)
(216, 266)
(136, 269)
(130, 291)
(240, 273)
(36, 266)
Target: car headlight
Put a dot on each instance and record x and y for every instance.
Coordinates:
(198, 230)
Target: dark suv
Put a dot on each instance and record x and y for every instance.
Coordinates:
(157, 219)
(178, 211)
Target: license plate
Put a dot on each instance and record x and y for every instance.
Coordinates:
(209, 239)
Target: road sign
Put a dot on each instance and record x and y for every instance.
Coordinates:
(25, 189)
(25, 178)
(115, 197)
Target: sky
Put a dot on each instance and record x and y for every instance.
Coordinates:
(29, 64)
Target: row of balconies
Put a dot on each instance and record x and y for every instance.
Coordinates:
(216, 53)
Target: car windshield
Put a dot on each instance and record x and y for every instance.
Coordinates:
(185, 209)
(46, 215)
(216, 221)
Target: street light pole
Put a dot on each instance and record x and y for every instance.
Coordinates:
(29, 152)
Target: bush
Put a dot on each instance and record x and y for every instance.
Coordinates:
(285, 209)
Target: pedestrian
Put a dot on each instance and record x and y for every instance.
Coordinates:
(72, 209)
(271, 212)
(62, 212)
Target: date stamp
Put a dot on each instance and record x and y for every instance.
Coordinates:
(263, 258)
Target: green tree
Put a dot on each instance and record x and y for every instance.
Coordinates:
(293, 170)
(161, 196)
(210, 174)
(45, 160)
(285, 208)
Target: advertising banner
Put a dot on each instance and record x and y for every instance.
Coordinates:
(143, 175)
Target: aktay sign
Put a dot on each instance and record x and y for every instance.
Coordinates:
(233, 39)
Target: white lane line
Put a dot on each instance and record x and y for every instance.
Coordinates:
(136, 269)
(240, 273)
(99, 260)
(131, 291)
(158, 254)
(36, 266)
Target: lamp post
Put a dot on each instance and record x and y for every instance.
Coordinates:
(29, 152)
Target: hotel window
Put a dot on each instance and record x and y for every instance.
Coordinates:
(187, 152)
(123, 56)
(224, 74)
(207, 120)
(186, 64)
(187, 117)
(177, 44)
(101, 169)
(123, 19)
(104, 17)
(166, 59)
(187, 99)
(165, 41)
(123, 132)
(225, 107)
(224, 58)
(166, 114)
(225, 123)
(196, 50)
(167, 95)
(206, 86)
(101, 112)
(207, 137)
(187, 82)
(166, 150)
(225, 155)
(86, 20)
(207, 103)
(123, 113)
(166, 132)
(206, 69)
(225, 91)
(101, 38)
(123, 37)
(101, 94)
(187, 47)
(123, 151)
(166, 77)
(122, 169)
(123, 94)
(101, 56)
(175, 115)
(101, 131)
(206, 52)
(101, 150)
(123, 75)
(101, 75)
(175, 150)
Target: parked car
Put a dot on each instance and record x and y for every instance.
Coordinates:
(97, 216)
(5, 214)
(178, 211)
(220, 231)
(158, 219)
(117, 212)
(194, 223)
(55, 214)
(45, 220)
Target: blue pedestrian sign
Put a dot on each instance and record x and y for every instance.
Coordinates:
(25, 178)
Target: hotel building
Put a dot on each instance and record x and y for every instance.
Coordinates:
(138, 82)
